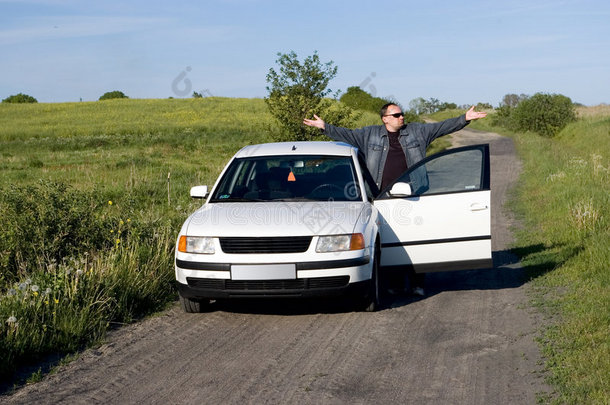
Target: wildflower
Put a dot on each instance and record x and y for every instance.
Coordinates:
(556, 176)
(11, 292)
(23, 286)
(35, 288)
(28, 281)
(118, 241)
(112, 231)
(56, 300)
(79, 272)
(46, 302)
(11, 319)
(128, 220)
(109, 202)
(121, 222)
(47, 291)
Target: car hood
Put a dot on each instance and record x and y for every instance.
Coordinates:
(275, 219)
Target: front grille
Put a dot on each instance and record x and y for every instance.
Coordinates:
(291, 244)
(248, 285)
(206, 283)
(265, 285)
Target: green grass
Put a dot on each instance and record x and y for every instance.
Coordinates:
(566, 220)
(131, 117)
(131, 141)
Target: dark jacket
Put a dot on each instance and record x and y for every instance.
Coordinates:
(373, 141)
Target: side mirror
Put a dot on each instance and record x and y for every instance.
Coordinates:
(199, 192)
(401, 190)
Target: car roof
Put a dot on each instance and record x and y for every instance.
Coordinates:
(296, 148)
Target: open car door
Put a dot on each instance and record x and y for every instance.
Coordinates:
(436, 216)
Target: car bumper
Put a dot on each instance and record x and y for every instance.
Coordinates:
(199, 280)
(273, 289)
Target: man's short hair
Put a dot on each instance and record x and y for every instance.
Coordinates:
(384, 109)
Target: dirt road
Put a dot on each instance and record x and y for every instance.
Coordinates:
(469, 341)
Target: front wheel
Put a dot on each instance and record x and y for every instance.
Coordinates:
(193, 306)
(371, 301)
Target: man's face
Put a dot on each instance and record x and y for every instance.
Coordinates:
(393, 123)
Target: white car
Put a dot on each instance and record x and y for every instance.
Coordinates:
(301, 219)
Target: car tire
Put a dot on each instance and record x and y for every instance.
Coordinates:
(371, 301)
(193, 306)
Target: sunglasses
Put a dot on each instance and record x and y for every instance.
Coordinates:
(395, 115)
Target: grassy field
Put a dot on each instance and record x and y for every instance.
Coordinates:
(563, 200)
(128, 141)
(92, 196)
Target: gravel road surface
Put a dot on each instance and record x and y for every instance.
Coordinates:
(469, 341)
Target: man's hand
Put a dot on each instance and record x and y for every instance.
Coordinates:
(474, 115)
(316, 122)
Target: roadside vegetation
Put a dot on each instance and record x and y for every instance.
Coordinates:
(563, 202)
(544, 114)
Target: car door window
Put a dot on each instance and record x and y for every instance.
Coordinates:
(453, 171)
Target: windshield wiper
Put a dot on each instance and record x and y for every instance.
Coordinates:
(222, 200)
(296, 199)
(240, 199)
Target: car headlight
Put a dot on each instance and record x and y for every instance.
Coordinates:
(196, 244)
(338, 243)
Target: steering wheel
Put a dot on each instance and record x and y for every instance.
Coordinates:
(329, 186)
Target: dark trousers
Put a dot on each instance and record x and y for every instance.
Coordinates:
(416, 279)
(407, 279)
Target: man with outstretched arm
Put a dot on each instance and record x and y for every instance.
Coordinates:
(391, 148)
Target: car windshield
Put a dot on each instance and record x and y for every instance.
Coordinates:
(289, 178)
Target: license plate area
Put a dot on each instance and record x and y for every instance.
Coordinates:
(263, 272)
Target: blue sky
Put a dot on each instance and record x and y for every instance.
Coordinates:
(462, 52)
